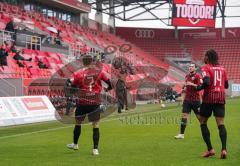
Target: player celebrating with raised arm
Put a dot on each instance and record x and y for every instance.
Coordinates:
(88, 80)
(191, 99)
(214, 84)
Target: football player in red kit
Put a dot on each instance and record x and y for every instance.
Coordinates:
(191, 99)
(88, 81)
(214, 84)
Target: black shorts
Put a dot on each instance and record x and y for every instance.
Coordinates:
(217, 109)
(92, 111)
(189, 106)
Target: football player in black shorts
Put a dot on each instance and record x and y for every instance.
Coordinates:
(191, 99)
(88, 81)
(214, 84)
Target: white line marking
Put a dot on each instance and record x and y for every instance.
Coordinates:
(59, 128)
(34, 132)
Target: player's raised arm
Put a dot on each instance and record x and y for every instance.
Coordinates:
(74, 81)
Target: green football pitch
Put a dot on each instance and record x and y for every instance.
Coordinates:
(140, 137)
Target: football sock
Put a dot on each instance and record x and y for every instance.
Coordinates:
(76, 133)
(95, 138)
(223, 136)
(183, 125)
(206, 135)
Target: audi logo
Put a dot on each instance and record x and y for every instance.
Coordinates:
(124, 48)
(144, 33)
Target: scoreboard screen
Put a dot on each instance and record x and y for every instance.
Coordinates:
(194, 13)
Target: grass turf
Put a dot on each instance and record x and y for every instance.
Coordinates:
(140, 137)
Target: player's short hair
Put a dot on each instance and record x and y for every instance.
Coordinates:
(192, 63)
(212, 56)
(87, 60)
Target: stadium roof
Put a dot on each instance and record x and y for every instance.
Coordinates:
(127, 2)
(124, 9)
(152, 10)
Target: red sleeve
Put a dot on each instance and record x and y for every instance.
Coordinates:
(75, 79)
(205, 71)
(104, 77)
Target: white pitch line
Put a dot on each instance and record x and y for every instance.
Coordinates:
(145, 112)
(58, 128)
(34, 132)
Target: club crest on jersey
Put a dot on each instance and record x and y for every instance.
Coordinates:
(193, 78)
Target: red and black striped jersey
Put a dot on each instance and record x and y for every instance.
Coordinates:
(191, 94)
(88, 80)
(215, 92)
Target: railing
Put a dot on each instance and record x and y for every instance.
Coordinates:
(6, 36)
(28, 41)
(77, 50)
(177, 55)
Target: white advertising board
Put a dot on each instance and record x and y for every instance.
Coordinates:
(25, 109)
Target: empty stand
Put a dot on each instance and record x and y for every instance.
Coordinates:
(191, 42)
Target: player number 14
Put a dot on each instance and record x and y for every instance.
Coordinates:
(217, 78)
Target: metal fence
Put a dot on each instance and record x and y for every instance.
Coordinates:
(27, 41)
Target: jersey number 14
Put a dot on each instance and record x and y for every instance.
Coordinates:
(217, 78)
